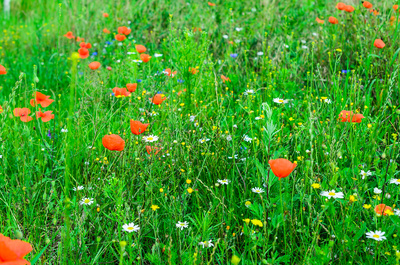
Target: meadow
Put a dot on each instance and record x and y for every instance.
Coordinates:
(196, 132)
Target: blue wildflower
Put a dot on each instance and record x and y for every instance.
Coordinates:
(234, 55)
(139, 80)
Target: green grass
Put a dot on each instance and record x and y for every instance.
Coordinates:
(299, 226)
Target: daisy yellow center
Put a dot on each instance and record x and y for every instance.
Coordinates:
(331, 194)
(130, 228)
(281, 100)
(376, 236)
(87, 201)
(257, 190)
(398, 180)
(150, 138)
(182, 224)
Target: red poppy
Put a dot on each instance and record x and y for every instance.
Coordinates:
(145, 57)
(374, 11)
(349, 8)
(78, 39)
(3, 70)
(382, 209)
(140, 48)
(12, 252)
(158, 99)
(94, 65)
(149, 149)
(282, 167)
(106, 31)
(106, 15)
(367, 4)
(83, 53)
(320, 21)
(120, 92)
(113, 142)
(109, 68)
(340, 6)
(120, 37)
(85, 45)
(1, 110)
(211, 4)
(224, 78)
(197, 29)
(137, 127)
(333, 20)
(131, 87)
(169, 72)
(23, 113)
(348, 116)
(41, 99)
(180, 92)
(395, 7)
(46, 116)
(124, 30)
(193, 70)
(379, 44)
(69, 35)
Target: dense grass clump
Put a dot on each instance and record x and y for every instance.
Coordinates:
(238, 132)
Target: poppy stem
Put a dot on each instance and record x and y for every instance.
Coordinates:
(283, 213)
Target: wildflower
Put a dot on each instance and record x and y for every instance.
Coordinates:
(150, 138)
(105, 30)
(377, 235)
(377, 191)
(234, 55)
(94, 65)
(140, 48)
(204, 140)
(247, 220)
(158, 99)
(397, 212)
(247, 204)
(340, 6)
(3, 70)
(247, 138)
(154, 207)
(257, 222)
(149, 149)
(367, 206)
(64, 130)
(69, 35)
(225, 36)
(206, 244)
(365, 174)
(113, 142)
(145, 57)
(332, 194)
(120, 37)
(46, 116)
(367, 4)
(169, 72)
(211, 4)
(280, 101)
(248, 91)
(86, 201)
(13, 251)
(224, 181)
(352, 198)
(137, 127)
(224, 78)
(229, 138)
(379, 44)
(333, 20)
(257, 190)
(383, 209)
(190, 190)
(281, 167)
(120, 92)
(131, 227)
(23, 114)
(348, 116)
(182, 225)
(83, 53)
(395, 181)
(131, 87)
(124, 30)
(193, 70)
(41, 99)
(316, 185)
(157, 55)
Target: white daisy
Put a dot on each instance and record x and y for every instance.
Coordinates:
(234, 126)
(86, 201)
(78, 188)
(286, 46)
(395, 181)
(225, 36)
(258, 118)
(397, 212)
(207, 244)
(332, 194)
(204, 140)
(247, 138)
(257, 190)
(157, 55)
(150, 138)
(328, 101)
(229, 138)
(239, 29)
(192, 118)
(182, 225)
(377, 235)
(248, 91)
(224, 181)
(365, 174)
(131, 227)
(280, 101)
(64, 130)
(377, 191)
(260, 53)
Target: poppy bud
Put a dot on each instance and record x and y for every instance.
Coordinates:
(109, 68)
